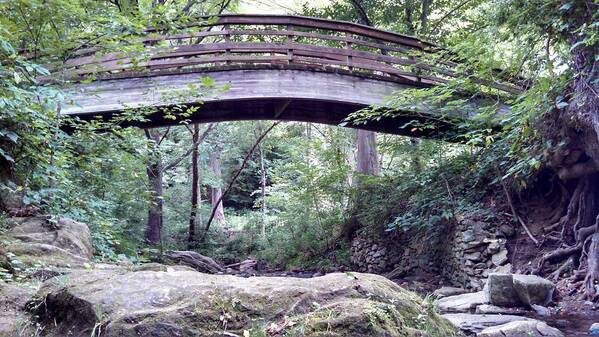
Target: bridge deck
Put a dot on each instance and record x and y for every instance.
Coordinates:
(278, 67)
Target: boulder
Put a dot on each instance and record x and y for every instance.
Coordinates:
(500, 290)
(533, 289)
(594, 329)
(521, 329)
(197, 261)
(472, 323)
(462, 303)
(189, 303)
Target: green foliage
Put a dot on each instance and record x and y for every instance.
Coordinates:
(97, 173)
(417, 201)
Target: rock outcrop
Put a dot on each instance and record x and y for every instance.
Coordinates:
(40, 242)
(521, 329)
(188, 303)
(462, 303)
(473, 323)
(12, 308)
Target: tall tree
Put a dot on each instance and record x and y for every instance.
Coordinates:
(262, 189)
(216, 192)
(367, 161)
(196, 196)
(195, 182)
(155, 170)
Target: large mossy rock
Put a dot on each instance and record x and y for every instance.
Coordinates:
(189, 303)
(36, 241)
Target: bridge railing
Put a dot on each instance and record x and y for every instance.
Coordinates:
(272, 40)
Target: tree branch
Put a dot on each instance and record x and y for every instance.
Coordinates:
(195, 145)
(243, 164)
(440, 21)
(361, 11)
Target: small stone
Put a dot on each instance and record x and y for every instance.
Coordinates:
(473, 256)
(494, 247)
(500, 258)
(541, 310)
(468, 236)
(507, 230)
(594, 330)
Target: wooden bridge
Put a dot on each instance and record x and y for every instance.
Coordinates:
(273, 67)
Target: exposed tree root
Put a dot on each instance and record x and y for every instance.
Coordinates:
(579, 238)
(515, 214)
(592, 274)
(564, 268)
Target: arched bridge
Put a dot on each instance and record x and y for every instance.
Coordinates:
(270, 67)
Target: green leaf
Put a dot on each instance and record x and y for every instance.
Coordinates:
(208, 82)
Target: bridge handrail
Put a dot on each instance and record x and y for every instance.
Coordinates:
(395, 56)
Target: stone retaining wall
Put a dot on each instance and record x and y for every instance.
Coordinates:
(464, 255)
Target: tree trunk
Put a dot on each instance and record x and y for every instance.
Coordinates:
(155, 216)
(195, 180)
(263, 188)
(217, 192)
(367, 158)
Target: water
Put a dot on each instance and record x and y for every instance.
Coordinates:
(573, 324)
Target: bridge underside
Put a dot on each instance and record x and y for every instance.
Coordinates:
(253, 94)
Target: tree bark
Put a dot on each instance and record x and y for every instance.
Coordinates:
(195, 180)
(263, 190)
(153, 232)
(217, 192)
(367, 158)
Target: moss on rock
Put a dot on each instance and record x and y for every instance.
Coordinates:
(187, 303)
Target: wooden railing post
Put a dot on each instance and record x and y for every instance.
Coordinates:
(349, 46)
(227, 41)
(289, 43)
